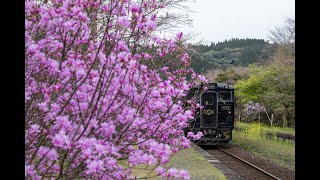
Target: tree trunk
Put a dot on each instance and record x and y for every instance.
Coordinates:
(285, 122)
(284, 117)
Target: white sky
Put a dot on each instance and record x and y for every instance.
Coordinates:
(218, 20)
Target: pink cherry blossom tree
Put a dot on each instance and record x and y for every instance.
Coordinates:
(103, 94)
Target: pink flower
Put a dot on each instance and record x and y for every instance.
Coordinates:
(32, 49)
(179, 36)
(105, 8)
(185, 143)
(202, 78)
(101, 149)
(198, 136)
(123, 56)
(86, 153)
(160, 170)
(61, 140)
(184, 174)
(63, 121)
(182, 117)
(123, 21)
(108, 129)
(189, 114)
(29, 170)
(111, 163)
(151, 25)
(122, 46)
(149, 159)
(158, 105)
(48, 153)
(95, 167)
(68, 25)
(43, 106)
(153, 17)
(80, 73)
(34, 129)
(75, 10)
(162, 5)
(83, 105)
(135, 8)
(173, 172)
(52, 155)
(55, 107)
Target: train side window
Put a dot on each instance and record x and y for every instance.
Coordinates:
(225, 96)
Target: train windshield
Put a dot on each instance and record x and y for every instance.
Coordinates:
(225, 96)
(208, 98)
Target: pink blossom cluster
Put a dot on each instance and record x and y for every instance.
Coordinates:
(172, 173)
(98, 90)
(252, 107)
(195, 136)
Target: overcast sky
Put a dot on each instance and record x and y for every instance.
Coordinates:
(218, 20)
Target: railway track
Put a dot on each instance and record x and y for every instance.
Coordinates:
(244, 168)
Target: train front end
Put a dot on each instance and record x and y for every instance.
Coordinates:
(216, 117)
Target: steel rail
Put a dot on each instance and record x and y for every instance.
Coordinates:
(261, 170)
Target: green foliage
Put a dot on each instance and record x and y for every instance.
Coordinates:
(255, 132)
(272, 84)
(260, 131)
(236, 42)
(228, 76)
(230, 53)
(252, 89)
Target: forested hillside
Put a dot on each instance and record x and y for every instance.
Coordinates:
(233, 52)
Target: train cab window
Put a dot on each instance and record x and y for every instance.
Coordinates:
(225, 96)
(208, 99)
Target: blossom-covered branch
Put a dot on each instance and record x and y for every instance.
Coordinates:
(101, 89)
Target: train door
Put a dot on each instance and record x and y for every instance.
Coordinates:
(209, 114)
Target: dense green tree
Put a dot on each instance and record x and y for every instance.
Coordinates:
(274, 85)
(233, 52)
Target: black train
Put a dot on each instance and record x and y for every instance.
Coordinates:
(216, 119)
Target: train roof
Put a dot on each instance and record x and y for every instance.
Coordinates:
(214, 86)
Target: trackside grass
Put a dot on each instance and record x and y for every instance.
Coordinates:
(188, 159)
(265, 128)
(253, 138)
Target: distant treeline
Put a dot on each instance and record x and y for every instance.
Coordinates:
(233, 52)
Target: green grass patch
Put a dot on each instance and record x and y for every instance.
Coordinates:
(253, 138)
(188, 159)
(265, 128)
(262, 132)
(196, 164)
